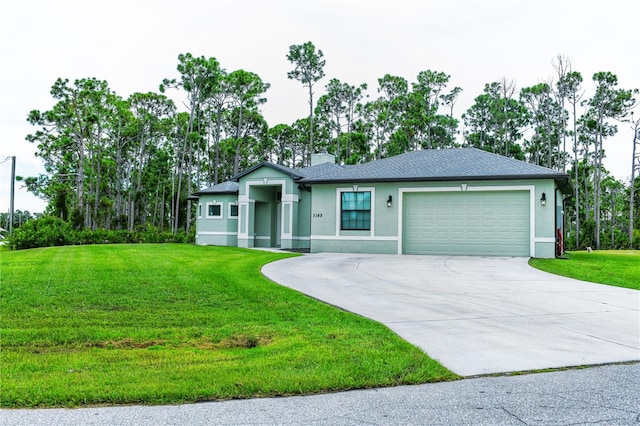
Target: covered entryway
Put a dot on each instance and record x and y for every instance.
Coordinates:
(267, 215)
(491, 223)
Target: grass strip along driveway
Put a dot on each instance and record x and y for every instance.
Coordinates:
(619, 268)
(165, 324)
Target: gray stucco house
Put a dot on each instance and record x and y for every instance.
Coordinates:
(454, 202)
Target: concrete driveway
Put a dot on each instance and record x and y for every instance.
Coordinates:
(476, 315)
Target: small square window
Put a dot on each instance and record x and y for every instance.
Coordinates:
(214, 210)
(233, 210)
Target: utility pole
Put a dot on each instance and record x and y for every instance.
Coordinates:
(13, 184)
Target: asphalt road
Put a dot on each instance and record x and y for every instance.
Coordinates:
(608, 395)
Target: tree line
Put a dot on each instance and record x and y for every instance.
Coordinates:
(116, 163)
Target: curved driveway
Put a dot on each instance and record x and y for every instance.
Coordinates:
(476, 315)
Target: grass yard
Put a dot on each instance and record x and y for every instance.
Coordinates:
(619, 268)
(168, 323)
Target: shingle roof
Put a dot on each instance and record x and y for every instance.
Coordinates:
(313, 171)
(227, 187)
(320, 170)
(293, 173)
(423, 165)
(439, 164)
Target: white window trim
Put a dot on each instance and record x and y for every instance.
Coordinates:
(355, 188)
(214, 203)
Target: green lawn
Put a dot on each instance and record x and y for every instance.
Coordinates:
(166, 324)
(614, 267)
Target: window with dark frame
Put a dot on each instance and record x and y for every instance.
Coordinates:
(215, 210)
(356, 211)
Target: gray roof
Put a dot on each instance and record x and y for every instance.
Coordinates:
(293, 173)
(320, 170)
(313, 171)
(423, 165)
(439, 164)
(227, 187)
(232, 186)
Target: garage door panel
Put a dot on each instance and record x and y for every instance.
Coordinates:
(457, 223)
(488, 223)
(442, 234)
(457, 234)
(475, 231)
(473, 223)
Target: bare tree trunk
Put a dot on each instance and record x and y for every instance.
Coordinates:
(236, 158)
(632, 189)
(188, 182)
(216, 175)
(310, 123)
(176, 200)
(562, 66)
(587, 202)
(549, 145)
(80, 176)
(138, 187)
(613, 218)
(154, 216)
(598, 189)
(119, 180)
(188, 226)
(97, 194)
(575, 167)
(195, 152)
(130, 204)
(173, 190)
(162, 207)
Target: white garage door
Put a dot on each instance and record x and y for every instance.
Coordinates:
(492, 223)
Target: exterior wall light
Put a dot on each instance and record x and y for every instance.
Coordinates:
(543, 200)
(389, 200)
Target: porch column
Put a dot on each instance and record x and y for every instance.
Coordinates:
(246, 214)
(288, 220)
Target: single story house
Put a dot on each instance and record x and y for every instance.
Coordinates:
(461, 201)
